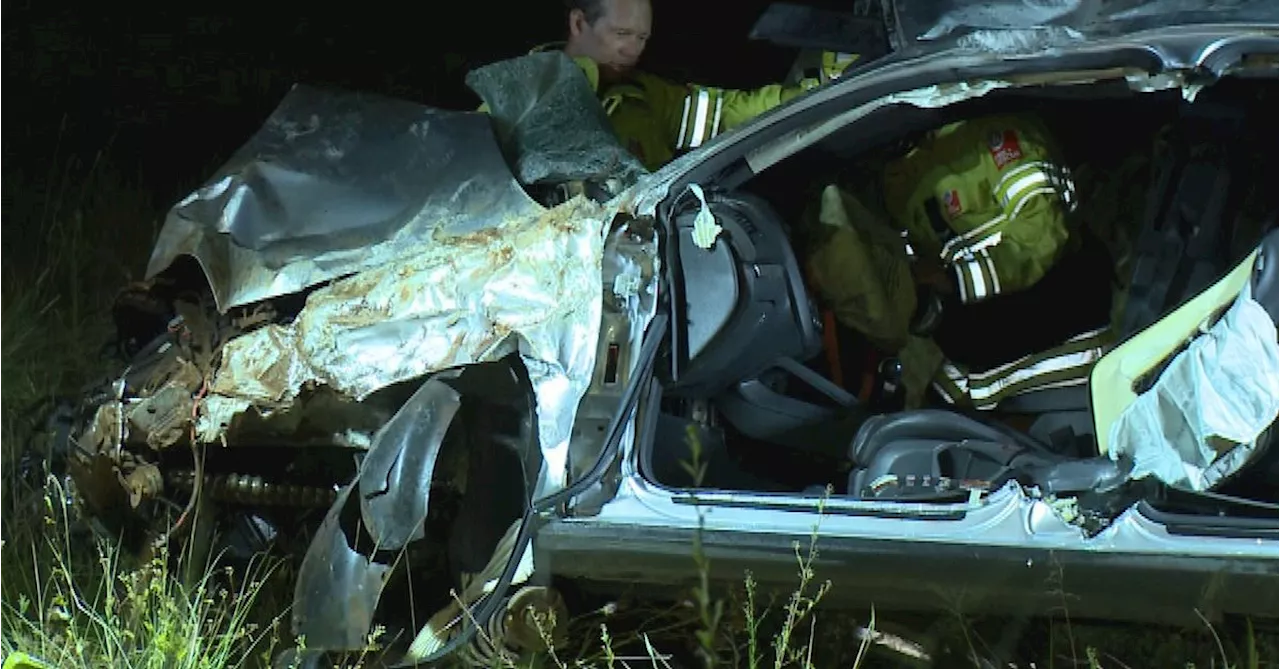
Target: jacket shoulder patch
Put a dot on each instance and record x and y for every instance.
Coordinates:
(951, 202)
(1004, 147)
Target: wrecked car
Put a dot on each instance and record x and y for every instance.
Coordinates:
(430, 351)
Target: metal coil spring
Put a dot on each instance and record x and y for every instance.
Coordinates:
(247, 489)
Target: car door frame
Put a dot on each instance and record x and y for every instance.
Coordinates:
(630, 535)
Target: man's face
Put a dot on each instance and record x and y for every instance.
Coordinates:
(616, 40)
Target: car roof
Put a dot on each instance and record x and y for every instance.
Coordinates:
(924, 22)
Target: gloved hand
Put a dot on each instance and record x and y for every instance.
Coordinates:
(834, 64)
(929, 272)
(832, 67)
(928, 313)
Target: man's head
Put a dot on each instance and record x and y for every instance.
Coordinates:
(610, 32)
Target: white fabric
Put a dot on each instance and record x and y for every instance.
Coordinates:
(1200, 420)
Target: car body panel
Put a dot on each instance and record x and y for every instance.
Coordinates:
(449, 263)
(1003, 24)
(419, 254)
(902, 574)
(335, 182)
(1007, 517)
(642, 536)
(535, 287)
(1158, 57)
(431, 253)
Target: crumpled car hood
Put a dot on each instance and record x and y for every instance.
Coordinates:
(533, 285)
(336, 182)
(421, 250)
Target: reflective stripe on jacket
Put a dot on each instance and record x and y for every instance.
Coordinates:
(656, 118)
(1062, 366)
(988, 196)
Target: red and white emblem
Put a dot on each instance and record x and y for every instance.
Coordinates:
(951, 201)
(1004, 147)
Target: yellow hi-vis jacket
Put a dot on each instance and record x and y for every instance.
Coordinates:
(986, 196)
(656, 119)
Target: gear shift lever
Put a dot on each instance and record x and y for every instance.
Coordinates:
(889, 394)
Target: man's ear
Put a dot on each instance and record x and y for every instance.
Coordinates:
(577, 22)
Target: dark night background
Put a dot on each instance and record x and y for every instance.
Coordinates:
(168, 91)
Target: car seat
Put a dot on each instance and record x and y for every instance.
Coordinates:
(940, 455)
(1181, 246)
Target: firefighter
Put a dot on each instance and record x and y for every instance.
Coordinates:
(972, 269)
(656, 119)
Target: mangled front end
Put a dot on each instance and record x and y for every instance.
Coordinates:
(379, 321)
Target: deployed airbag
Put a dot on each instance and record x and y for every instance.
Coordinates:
(1198, 423)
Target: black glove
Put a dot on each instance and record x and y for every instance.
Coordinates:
(928, 314)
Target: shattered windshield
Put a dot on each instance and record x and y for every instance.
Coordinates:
(549, 123)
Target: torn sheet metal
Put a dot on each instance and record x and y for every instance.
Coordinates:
(932, 21)
(395, 476)
(550, 123)
(1012, 42)
(341, 577)
(332, 566)
(530, 284)
(1199, 422)
(334, 183)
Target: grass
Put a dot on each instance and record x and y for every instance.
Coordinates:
(140, 618)
(73, 236)
(71, 598)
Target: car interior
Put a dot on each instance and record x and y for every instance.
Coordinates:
(784, 399)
